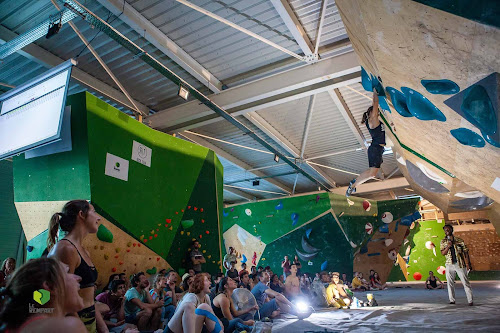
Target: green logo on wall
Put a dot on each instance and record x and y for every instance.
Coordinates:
(117, 164)
(41, 296)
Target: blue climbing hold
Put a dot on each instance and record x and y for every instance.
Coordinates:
(441, 87)
(243, 258)
(420, 106)
(224, 213)
(397, 226)
(366, 82)
(373, 254)
(398, 100)
(383, 229)
(407, 220)
(382, 102)
(324, 265)
(295, 218)
(308, 233)
(491, 140)
(415, 216)
(29, 248)
(279, 206)
(467, 137)
(363, 250)
(479, 110)
(377, 85)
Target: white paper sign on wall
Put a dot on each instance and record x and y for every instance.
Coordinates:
(141, 154)
(116, 167)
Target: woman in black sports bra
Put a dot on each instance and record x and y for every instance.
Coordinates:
(78, 218)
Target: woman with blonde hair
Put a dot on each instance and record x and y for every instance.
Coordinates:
(39, 296)
(78, 218)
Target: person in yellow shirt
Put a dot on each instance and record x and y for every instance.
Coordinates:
(335, 293)
(357, 284)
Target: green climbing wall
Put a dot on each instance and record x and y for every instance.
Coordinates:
(325, 230)
(183, 182)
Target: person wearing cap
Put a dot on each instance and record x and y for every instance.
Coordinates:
(229, 257)
(335, 293)
(457, 260)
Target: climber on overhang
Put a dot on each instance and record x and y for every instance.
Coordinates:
(376, 149)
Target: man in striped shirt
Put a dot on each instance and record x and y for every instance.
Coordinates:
(457, 260)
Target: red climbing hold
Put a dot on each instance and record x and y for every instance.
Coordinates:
(121, 262)
(166, 225)
(201, 210)
(128, 250)
(200, 236)
(157, 229)
(158, 259)
(145, 240)
(150, 237)
(189, 207)
(116, 256)
(207, 232)
(168, 220)
(182, 210)
(113, 269)
(156, 235)
(176, 212)
(139, 245)
(202, 221)
(134, 244)
(195, 208)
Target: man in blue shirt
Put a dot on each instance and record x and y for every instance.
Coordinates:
(140, 309)
(269, 307)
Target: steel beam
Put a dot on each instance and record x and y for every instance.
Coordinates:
(351, 122)
(294, 26)
(240, 193)
(155, 36)
(234, 160)
(49, 60)
(272, 90)
(310, 110)
(385, 185)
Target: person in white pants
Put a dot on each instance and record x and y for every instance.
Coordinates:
(457, 261)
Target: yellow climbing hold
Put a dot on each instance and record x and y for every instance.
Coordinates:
(263, 258)
(210, 256)
(170, 228)
(188, 233)
(142, 236)
(213, 261)
(106, 257)
(152, 232)
(182, 232)
(159, 224)
(117, 250)
(129, 244)
(204, 251)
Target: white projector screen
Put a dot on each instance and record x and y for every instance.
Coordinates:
(31, 115)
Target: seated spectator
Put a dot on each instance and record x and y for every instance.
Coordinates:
(260, 269)
(140, 309)
(112, 277)
(292, 284)
(191, 272)
(253, 270)
(243, 268)
(194, 313)
(172, 289)
(114, 300)
(245, 281)
(325, 278)
(357, 284)
(345, 281)
(305, 285)
(317, 277)
(123, 277)
(431, 282)
(268, 270)
(8, 267)
(215, 285)
(224, 309)
(363, 281)
(376, 283)
(54, 277)
(276, 284)
(158, 293)
(269, 308)
(232, 272)
(186, 282)
(336, 294)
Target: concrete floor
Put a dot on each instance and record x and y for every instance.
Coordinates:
(408, 310)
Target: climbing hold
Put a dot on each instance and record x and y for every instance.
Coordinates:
(29, 248)
(377, 85)
(307, 247)
(117, 250)
(134, 244)
(363, 250)
(138, 245)
(279, 206)
(423, 180)
(383, 229)
(106, 257)
(479, 110)
(306, 256)
(117, 256)
(145, 240)
(367, 205)
(468, 138)
(113, 269)
(182, 210)
(150, 237)
(207, 232)
(189, 207)
(103, 234)
(295, 218)
(156, 235)
(210, 256)
(243, 258)
(170, 228)
(417, 276)
(232, 209)
(151, 271)
(440, 87)
(182, 232)
(387, 217)
(202, 221)
(324, 265)
(317, 198)
(421, 107)
(308, 233)
(366, 81)
(95, 247)
(441, 270)
(200, 236)
(392, 254)
(120, 263)
(142, 236)
(176, 213)
(388, 242)
(158, 259)
(373, 254)
(382, 102)
(369, 228)
(128, 250)
(152, 232)
(186, 224)
(168, 220)
(350, 202)
(188, 233)
(195, 208)
(398, 100)
(341, 214)
(248, 212)
(201, 210)
(129, 244)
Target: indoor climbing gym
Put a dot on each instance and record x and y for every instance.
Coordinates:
(249, 166)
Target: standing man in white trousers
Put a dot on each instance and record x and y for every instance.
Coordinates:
(457, 261)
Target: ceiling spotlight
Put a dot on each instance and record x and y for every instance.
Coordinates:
(276, 158)
(255, 183)
(183, 92)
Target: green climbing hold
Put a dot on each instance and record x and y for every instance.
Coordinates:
(104, 234)
(186, 224)
(151, 271)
